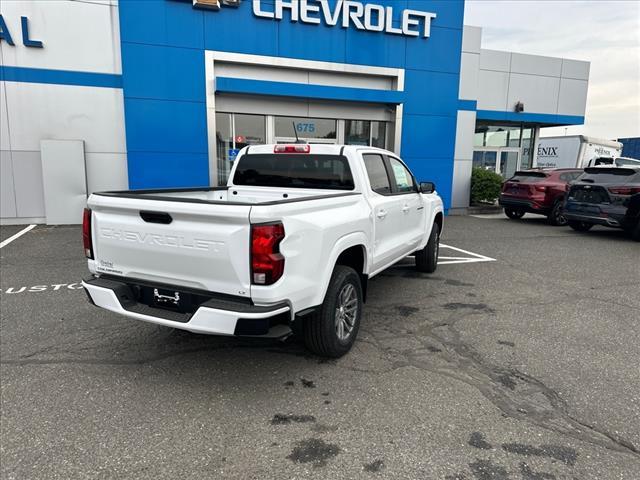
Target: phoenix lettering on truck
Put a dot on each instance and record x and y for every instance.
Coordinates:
(288, 246)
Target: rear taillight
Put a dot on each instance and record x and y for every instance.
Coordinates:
(86, 233)
(267, 263)
(303, 148)
(624, 190)
(540, 188)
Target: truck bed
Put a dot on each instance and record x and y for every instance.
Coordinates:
(229, 195)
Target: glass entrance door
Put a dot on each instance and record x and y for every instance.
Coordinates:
(509, 160)
(504, 161)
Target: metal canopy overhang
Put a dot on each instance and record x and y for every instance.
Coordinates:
(309, 91)
(539, 119)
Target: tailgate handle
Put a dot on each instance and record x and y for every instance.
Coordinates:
(156, 217)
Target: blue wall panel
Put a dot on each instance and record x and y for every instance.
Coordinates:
(431, 93)
(158, 72)
(163, 43)
(374, 48)
(165, 126)
(440, 53)
(149, 169)
(428, 136)
(161, 22)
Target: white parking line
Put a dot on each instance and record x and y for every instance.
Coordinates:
(474, 257)
(17, 235)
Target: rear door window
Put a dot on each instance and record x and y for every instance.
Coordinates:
(377, 173)
(288, 170)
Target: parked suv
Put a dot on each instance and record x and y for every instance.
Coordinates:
(537, 191)
(608, 196)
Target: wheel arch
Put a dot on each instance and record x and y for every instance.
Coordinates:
(350, 250)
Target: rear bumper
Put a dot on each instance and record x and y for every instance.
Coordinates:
(212, 317)
(597, 214)
(606, 222)
(521, 204)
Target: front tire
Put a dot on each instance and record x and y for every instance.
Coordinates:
(332, 329)
(514, 214)
(556, 218)
(427, 258)
(580, 226)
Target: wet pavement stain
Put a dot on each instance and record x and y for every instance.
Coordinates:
(470, 306)
(528, 474)
(566, 455)
(508, 381)
(315, 451)
(487, 470)
(506, 343)
(458, 283)
(406, 311)
(307, 383)
(374, 466)
(289, 383)
(282, 419)
(477, 440)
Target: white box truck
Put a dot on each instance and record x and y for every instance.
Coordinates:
(575, 151)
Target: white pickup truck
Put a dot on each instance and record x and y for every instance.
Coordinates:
(287, 246)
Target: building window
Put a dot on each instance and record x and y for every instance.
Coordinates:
(357, 132)
(314, 130)
(379, 134)
(528, 136)
(365, 132)
(233, 132)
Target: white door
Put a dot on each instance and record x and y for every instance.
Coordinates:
(387, 213)
(413, 219)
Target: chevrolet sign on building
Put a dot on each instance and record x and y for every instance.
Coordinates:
(164, 93)
(369, 16)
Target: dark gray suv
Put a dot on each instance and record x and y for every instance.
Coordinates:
(608, 196)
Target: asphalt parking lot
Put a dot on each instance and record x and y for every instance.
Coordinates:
(526, 367)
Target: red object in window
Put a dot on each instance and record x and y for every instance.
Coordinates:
(267, 263)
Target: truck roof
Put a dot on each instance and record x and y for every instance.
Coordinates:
(315, 148)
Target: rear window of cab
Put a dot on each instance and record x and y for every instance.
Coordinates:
(288, 170)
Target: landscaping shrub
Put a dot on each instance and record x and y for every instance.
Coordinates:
(485, 186)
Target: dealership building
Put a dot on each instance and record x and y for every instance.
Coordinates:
(110, 95)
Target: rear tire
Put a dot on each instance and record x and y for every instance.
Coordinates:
(580, 226)
(427, 258)
(556, 218)
(332, 329)
(514, 214)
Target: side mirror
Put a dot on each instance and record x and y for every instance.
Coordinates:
(427, 187)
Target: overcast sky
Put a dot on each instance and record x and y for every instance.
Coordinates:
(606, 33)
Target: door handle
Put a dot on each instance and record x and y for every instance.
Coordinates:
(381, 214)
(405, 209)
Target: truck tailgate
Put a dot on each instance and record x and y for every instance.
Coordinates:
(196, 245)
